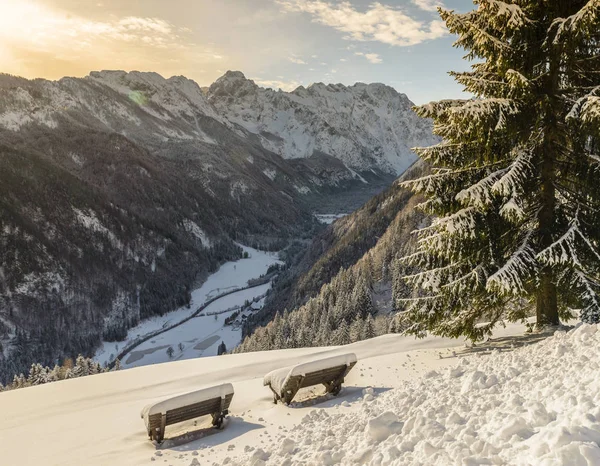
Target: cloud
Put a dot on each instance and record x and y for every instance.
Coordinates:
(296, 60)
(381, 23)
(277, 84)
(40, 38)
(372, 57)
(428, 5)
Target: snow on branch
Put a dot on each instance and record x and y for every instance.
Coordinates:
(511, 182)
(586, 108)
(564, 250)
(480, 194)
(430, 279)
(512, 210)
(590, 312)
(427, 184)
(478, 108)
(509, 279)
(587, 18)
(461, 222)
(513, 15)
(436, 109)
(467, 282)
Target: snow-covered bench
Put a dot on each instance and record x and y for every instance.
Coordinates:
(285, 383)
(213, 400)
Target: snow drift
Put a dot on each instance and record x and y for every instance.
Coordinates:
(406, 402)
(536, 405)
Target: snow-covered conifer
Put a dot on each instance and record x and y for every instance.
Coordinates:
(81, 368)
(514, 187)
(342, 334)
(369, 328)
(356, 330)
(38, 374)
(361, 298)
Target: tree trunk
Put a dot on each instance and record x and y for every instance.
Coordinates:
(546, 296)
(546, 301)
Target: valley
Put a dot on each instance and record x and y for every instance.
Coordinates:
(122, 192)
(199, 335)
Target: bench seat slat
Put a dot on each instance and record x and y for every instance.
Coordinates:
(326, 375)
(186, 413)
(214, 401)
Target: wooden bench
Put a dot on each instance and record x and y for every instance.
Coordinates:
(285, 383)
(213, 400)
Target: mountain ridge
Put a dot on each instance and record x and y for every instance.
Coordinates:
(122, 191)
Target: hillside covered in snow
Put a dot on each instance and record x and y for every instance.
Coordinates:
(366, 126)
(514, 400)
(121, 192)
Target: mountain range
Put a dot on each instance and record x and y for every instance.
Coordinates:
(120, 192)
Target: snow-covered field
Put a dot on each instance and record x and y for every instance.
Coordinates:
(407, 401)
(329, 218)
(199, 336)
(196, 333)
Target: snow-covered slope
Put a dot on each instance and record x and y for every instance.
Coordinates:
(366, 126)
(201, 335)
(406, 402)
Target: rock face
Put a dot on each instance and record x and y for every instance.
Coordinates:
(366, 126)
(121, 191)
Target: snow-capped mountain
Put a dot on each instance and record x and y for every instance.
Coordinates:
(120, 191)
(365, 126)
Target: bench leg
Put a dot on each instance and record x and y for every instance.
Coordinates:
(291, 391)
(276, 396)
(335, 386)
(217, 420)
(219, 417)
(160, 435)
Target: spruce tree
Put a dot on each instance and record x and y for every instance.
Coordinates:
(369, 328)
(82, 368)
(514, 189)
(361, 299)
(342, 334)
(356, 330)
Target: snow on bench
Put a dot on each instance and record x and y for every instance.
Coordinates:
(285, 382)
(212, 400)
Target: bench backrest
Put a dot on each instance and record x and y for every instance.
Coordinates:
(191, 405)
(323, 375)
(192, 411)
(311, 373)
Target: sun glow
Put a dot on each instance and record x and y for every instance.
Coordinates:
(36, 40)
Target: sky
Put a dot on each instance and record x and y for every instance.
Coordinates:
(277, 43)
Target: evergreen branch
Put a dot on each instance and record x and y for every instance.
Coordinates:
(480, 193)
(509, 278)
(511, 182)
(564, 250)
(591, 312)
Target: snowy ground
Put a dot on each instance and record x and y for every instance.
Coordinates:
(407, 401)
(199, 336)
(195, 334)
(329, 218)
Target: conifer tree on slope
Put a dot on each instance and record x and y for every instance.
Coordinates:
(514, 188)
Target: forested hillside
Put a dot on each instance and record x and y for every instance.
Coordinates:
(343, 289)
(512, 195)
(100, 229)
